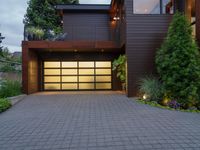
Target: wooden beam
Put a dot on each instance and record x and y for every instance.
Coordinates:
(198, 21)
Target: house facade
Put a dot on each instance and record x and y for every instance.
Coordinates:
(98, 34)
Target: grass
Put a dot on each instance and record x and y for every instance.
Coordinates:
(10, 88)
(155, 104)
(4, 104)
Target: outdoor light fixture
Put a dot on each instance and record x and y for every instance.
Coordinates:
(144, 96)
(116, 18)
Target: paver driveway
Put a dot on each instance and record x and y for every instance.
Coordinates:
(86, 121)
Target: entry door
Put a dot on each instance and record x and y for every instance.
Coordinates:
(77, 75)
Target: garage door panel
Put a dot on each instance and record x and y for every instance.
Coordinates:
(74, 75)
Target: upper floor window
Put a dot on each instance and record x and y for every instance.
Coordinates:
(153, 7)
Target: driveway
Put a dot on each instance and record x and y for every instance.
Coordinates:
(95, 121)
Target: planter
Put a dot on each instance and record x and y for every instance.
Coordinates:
(14, 100)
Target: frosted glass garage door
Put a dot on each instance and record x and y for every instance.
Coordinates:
(77, 75)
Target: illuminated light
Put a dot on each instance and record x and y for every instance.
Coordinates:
(116, 18)
(75, 50)
(144, 96)
(102, 50)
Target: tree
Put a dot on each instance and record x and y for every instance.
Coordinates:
(1, 47)
(42, 14)
(178, 62)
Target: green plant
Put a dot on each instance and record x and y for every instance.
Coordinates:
(10, 88)
(4, 104)
(119, 65)
(178, 63)
(35, 33)
(150, 88)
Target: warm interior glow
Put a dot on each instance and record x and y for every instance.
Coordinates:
(86, 71)
(103, 71)
(103, 78)
(69, 79)
(84, 86)
(103, 86)
(70, 86)
(69, 71)
(52, 79)
(86, 78)
(86, 64)
(51, 64)
(51, 71)
(52, 86)
(69, 64)
(103, 64)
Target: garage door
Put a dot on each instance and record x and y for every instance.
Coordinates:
(77, 75)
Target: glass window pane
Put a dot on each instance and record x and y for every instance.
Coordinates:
(103, 86)
(103, 64)
(86, 64)
(52, 79)
(86, 78)
(146, 6)
(69, 79)
(70, 86)
(86, 71)
(52, 64)
(69, 64)
(168, 7)
(52, 86)
(85, 86)
(69, 71)
(103, 71)
(103, 78)
(51, 71)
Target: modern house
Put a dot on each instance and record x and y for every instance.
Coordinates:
(96, 35)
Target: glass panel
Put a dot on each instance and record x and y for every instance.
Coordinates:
(52, 86)
(86, 86)
(103, 85)
(70, 64)
(86, 78)
(70, 86)
(86, 71)
(52, 79)
(51, 71)
(146, 6)
(103, 78)
(86, 64)
(69, 71)
(168, 7)
(103, 71)
(52, 64)
(103, 64)
(69, 79)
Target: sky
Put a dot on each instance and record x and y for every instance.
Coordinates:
(11, 21)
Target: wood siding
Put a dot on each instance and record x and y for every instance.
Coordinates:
(198, 21)
(89, 26)
(144, 35)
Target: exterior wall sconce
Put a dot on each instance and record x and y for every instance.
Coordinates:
(116, 18)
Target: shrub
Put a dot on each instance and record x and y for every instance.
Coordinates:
(178, 62)
(150, 88)
(10, 88)
(4, 105)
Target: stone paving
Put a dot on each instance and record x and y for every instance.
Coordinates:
(95, 121)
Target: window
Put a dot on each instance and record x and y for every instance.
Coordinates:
(153, 7)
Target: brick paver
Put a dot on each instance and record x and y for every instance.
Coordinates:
(95, 121)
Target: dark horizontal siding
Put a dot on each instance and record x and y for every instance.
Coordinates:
(87, 26)
(144, 35)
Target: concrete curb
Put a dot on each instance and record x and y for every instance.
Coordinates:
(14, 100)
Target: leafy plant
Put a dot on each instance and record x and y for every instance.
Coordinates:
(178, 63)
(10, 88)
(4, 104)
(35, 33)
(119, 65)
(150, 88)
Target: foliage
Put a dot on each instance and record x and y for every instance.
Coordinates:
(178, 63)
(1, 38)
(151, 88)
(155, 104)
(4, 104)
(35, 33)
(10, 88)
(42, 14)
(119, 65)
